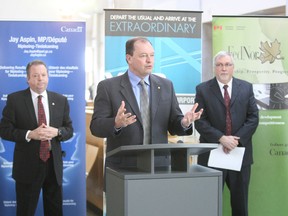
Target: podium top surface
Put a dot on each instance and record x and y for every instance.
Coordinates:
(193, 149)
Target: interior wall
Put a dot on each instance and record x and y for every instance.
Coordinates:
(207, 71)
(92, 12)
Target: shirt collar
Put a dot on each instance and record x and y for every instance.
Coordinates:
(221, 85)
(135, 79)
(35, 95)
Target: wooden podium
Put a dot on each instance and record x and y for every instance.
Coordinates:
(179, 189)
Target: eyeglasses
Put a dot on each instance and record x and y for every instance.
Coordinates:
(220, 65)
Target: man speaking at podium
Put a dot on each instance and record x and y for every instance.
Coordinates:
(138, 107)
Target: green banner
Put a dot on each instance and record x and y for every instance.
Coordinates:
(260, 48)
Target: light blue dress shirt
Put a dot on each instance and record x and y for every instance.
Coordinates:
(134, 80)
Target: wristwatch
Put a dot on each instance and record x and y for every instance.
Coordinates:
(59, 132)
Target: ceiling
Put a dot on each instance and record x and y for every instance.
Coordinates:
(88, 10)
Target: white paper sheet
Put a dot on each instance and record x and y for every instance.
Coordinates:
(232, 161)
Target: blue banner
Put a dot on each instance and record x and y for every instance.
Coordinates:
(176, 38)
(61, 45)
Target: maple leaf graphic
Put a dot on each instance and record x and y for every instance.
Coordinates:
(270, 53)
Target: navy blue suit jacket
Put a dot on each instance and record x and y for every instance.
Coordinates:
(244, 114)
(19, 117)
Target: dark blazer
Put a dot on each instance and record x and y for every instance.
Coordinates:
(19, 117)
(244, 114)
(165, 112)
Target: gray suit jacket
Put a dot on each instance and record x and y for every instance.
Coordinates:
(19, 117)
(165, 113)
(244, 114)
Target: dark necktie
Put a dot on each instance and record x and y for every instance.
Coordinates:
(145, 112)
(228, 114)
(44, 145)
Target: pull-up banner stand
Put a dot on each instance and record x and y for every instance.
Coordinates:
(260, 49)
(176, 38)
(61, 45)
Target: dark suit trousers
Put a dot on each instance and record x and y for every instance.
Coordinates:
(27, 195)
(238, 184)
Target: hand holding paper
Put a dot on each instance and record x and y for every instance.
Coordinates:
(232, 161)
(229, 142)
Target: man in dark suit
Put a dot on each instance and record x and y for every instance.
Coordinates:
(212, 125)
(20, 125)
(117, 114)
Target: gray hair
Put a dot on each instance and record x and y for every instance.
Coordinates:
(220, 55)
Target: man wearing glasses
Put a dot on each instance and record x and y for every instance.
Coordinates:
(230, 118)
